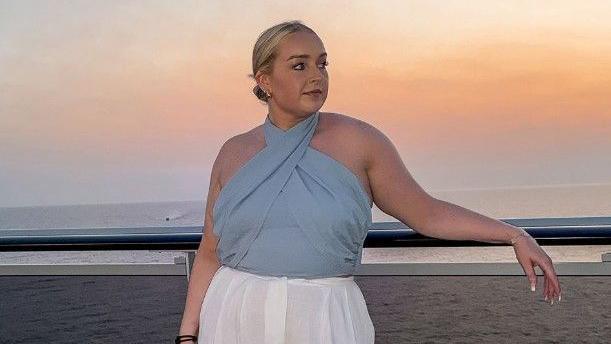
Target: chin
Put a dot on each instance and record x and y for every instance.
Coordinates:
(311, 109)
(313, 104)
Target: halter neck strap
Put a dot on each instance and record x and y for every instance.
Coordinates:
(267, 173)
(274, 134)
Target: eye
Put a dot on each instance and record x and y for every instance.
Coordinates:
(324, 64)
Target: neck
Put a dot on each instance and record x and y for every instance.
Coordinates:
(286, 121)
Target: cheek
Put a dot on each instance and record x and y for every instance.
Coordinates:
(289, 86)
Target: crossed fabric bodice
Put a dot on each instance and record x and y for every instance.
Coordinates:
(292, 210)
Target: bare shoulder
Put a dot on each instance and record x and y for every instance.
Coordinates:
(358, 132)
(239, 142)
(231, 154)
(392, 185)
(341, 121)
(237, 150)
(342, 124)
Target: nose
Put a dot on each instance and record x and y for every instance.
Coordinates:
(317, 75)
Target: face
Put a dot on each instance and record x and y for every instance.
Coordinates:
(293, 76)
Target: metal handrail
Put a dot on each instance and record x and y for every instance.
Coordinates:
(548, 231)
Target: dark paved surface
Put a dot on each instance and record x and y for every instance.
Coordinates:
(404, 309)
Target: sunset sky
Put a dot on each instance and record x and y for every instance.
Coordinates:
(125, 101)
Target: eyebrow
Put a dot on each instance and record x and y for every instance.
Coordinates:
(305, 56)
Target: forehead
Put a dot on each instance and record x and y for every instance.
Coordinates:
(298, 43)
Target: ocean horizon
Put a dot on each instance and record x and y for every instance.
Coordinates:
(500, 203)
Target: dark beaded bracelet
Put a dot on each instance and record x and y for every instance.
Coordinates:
(185, 338)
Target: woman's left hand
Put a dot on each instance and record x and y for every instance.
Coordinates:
(530, 254)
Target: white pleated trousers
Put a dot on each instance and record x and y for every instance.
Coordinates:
(244, 308)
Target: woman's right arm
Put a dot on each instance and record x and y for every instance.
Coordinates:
(206, 262)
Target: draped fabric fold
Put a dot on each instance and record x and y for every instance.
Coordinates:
(326, 201)
(240, 307)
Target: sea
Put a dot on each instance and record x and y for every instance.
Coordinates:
(501, 203)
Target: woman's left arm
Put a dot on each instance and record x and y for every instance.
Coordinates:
(396, 193)
(453, 222)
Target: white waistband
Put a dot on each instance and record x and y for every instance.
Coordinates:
(313, 281)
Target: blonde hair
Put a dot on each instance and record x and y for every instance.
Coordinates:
(265, 50)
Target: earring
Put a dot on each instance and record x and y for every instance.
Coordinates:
(267, 94)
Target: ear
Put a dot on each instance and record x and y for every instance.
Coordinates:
(264, 81)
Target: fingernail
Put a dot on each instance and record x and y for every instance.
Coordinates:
(552, 300)
(559, 297)
(545, 297)
(532, 287)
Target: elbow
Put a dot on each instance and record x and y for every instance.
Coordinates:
(427, 214)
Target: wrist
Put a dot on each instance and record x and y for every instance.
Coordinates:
(517, 235)
(188, 328)
(185, 338)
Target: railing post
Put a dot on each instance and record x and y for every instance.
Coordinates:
(189, 263)
(182, 260)
(187, 260)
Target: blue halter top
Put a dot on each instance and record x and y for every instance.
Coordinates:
(292, 210)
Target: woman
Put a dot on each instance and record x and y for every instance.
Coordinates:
(289, 206)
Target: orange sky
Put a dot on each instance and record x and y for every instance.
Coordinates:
(133, 100)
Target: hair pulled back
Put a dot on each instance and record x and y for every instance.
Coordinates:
(265, 50)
